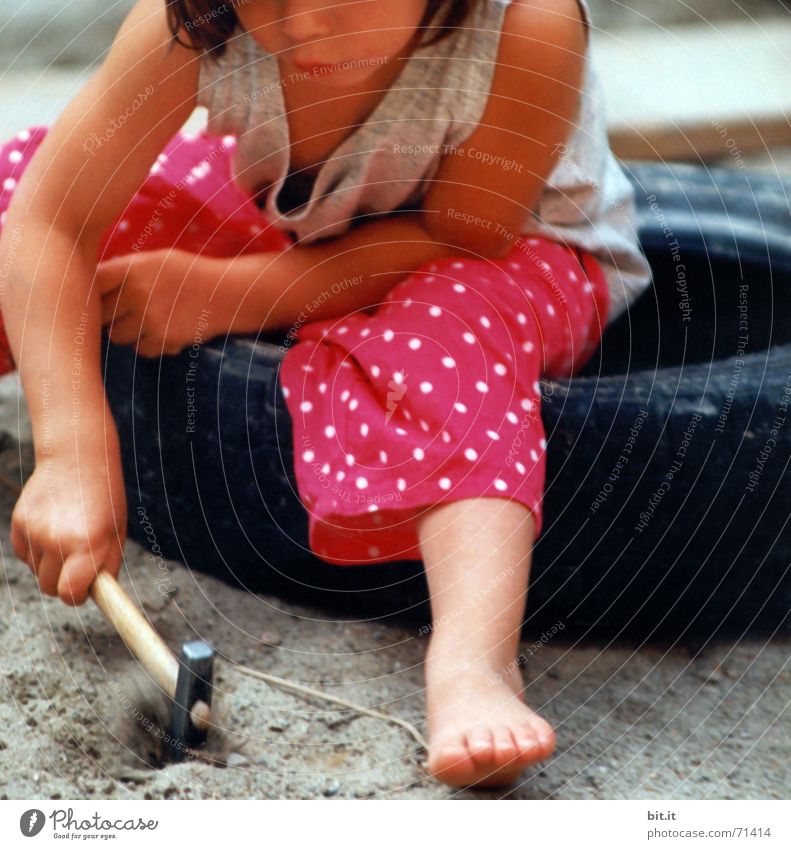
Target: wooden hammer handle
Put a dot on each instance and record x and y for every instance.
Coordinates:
(149, 648)
(144, 642)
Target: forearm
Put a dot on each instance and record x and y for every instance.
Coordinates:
(330, 278)
(52, 316)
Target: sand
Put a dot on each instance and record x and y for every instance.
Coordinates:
(633, 722)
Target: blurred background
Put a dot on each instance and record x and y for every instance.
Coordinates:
(708, 83)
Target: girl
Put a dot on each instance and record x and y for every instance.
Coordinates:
(418, 199)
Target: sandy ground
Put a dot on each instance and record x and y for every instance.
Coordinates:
(639, 722)
(633, 722)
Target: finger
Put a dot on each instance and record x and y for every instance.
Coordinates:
(19, 541)
(112, 307)
(111, 562)
(154, 348)
(125, 330)
(47, 569)
(150, 347)
(110, 273)
(170, 349)
(76, 577)
(29, 553)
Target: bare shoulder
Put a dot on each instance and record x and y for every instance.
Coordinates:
(100, 149)
(483, 191)
(541, 34)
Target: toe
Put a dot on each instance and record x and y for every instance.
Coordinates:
(536, 740)
(480, 743)
(545, 735)
(527, 741)
(449, 760)
(505, 747)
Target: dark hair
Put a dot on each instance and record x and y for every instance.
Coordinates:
(210, 23)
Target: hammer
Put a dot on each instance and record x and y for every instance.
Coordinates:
(186, 680)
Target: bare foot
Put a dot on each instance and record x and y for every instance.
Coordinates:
(480, 731)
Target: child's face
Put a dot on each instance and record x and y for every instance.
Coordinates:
(353, 36)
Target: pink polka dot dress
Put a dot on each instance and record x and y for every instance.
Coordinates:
(430, 397)
(435, 396)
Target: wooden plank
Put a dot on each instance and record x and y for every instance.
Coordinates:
(700, 91)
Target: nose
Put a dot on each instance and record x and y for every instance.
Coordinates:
(305, 22)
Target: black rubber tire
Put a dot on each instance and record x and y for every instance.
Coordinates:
(715, 552)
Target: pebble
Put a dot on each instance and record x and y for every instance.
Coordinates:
(270, 638)
(715, 677)
(332, 789)
(280, 725)
(333, 722)
(136, 776)
(236, 759)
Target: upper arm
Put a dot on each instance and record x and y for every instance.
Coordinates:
(99, 151)
(499, 172)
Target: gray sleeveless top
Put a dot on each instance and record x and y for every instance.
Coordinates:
(438, 99)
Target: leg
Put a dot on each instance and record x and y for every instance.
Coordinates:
(477, 555)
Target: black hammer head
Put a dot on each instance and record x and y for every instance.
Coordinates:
(194, 683)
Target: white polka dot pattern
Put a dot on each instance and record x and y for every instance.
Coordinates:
(446, 399)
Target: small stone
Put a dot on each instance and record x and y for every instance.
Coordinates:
(280, 725)
(270, 638)
(339, 719)
(136, 776)
(236, 759)
(332, 789)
